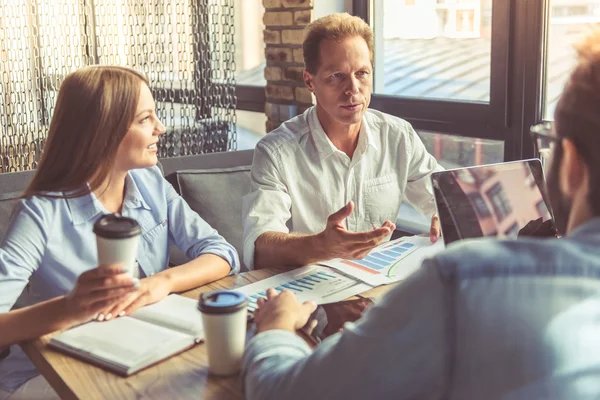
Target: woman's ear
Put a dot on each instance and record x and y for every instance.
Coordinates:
(573, 171)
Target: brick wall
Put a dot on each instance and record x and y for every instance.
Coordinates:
(285, 91)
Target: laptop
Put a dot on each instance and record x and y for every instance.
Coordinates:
(491, 200)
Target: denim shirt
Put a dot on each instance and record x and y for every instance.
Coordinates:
(485, 319)
(50, 242)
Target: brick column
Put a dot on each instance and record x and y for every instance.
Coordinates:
(285, 91)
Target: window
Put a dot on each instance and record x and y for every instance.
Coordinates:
(249, 43)
(459, 151)
(434, 50)
(567, 22)
(479, 204)
(497, 196)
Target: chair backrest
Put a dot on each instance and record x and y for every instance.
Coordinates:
(214, 189)
(12, 185)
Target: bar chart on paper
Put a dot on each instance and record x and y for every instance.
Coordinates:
(390, 262)
(313, 282)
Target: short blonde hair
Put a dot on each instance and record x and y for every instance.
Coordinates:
(333, 27)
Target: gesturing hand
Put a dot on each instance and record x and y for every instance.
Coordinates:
(98, 289)
(282, 311)
(336, 241)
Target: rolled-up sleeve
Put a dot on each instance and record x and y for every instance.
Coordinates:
(21, 251)
(419, 191)
(194, 236)
(266, 208)
(398, 350)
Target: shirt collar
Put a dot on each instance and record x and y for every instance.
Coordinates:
(86, 207)
(325, 147)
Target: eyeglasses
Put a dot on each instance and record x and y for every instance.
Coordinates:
(544, 140)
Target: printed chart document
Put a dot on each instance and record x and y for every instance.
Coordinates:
(391, 262)
(126, 345)
(313, 282)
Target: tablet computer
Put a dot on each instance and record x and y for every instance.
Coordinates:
(491, 200)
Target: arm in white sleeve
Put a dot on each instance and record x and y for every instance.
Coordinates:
(419, 191)
(267, 207)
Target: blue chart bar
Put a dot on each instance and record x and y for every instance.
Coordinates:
(368, 264)
(382, 257)
(398, 250)
(312, 279)
(262, 294)
(376, 261)
(407, 245)
(288, 286)
(318, 278)
(279, 288)
(390, 253)
(326, 274)
(306, 282)
(295, 283)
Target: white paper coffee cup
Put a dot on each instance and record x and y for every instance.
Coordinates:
(117, 240)
(224, 314)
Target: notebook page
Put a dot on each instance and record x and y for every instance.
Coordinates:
(174, 312)
(123, 342)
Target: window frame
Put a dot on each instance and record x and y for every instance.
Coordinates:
(516, 96)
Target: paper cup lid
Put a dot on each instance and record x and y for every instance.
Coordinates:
(222, 302)
(114, 226)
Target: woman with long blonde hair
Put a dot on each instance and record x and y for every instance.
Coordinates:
(100, 157)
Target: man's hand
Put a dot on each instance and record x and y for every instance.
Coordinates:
(539, 228)
(150, 291)
(435, 231)
(98, 289)
(336, 241)
(282, 311)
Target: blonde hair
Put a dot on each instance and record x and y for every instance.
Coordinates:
(577, 114)
(94, 110)
(333, 27)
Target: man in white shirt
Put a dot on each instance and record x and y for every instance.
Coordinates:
(336, 175)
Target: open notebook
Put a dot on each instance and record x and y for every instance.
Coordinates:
(126, 345)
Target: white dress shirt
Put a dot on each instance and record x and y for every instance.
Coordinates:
(299, 177)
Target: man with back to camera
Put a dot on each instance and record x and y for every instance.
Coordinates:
(339, 171)
(485, 319)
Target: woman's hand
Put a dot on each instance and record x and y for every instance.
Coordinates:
(151, 290)
(98, 289)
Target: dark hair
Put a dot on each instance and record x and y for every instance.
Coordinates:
(577, 115)
(94, 110)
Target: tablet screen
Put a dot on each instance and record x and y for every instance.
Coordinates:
(491, 200)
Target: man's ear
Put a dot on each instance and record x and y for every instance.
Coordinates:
(573, 170)
(308, 81)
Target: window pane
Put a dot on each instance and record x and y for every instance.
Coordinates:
(459, 151)
(249, 43)
(569, 21)
(452, 152)
(433, 49)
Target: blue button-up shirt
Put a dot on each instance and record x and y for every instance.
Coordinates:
(50, 242)
(486, 319)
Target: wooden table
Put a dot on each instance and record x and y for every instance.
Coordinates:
(181, 377)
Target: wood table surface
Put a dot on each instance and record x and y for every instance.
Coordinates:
(184, 376)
